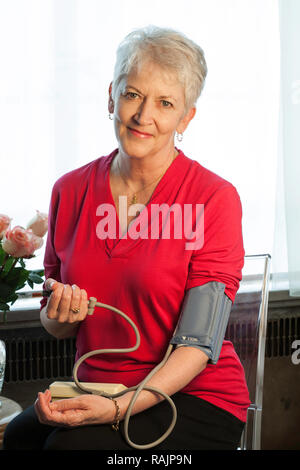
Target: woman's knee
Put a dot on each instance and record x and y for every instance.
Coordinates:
(25, 432)
(96, 437)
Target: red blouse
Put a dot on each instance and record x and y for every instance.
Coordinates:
(145, 275)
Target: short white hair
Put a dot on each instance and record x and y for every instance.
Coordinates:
(169, 49)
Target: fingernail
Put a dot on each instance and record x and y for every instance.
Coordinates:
(74, 286)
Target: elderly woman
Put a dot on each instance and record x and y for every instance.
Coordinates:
(108, 239)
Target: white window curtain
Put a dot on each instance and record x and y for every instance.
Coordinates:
(287, 222)
(57, 59)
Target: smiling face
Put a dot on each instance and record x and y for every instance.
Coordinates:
(148, 111)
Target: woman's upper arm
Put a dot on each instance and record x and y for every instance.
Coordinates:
(221, 258)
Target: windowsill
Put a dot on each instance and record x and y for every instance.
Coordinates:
(22, 311)
(27, 311)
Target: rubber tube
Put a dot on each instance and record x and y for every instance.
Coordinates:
(138, 388)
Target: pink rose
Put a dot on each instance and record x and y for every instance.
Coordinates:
(4, 224)
(21, 243)
(39, 224)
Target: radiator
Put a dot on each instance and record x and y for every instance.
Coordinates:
(35, 358)
(33, 355)
(281, 333)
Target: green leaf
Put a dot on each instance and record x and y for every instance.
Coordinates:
(16, 278)
(34, 277)
(30, 283)
(6, 292)
(15, 297)
(2, 255)
(40, 272)
(4, 307)
(8, 264)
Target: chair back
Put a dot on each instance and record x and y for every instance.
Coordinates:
(247, 328)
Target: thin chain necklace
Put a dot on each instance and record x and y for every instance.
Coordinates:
(134, 195)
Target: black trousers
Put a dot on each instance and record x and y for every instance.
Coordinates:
(200, 425)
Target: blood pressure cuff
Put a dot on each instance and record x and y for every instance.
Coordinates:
(203, 319)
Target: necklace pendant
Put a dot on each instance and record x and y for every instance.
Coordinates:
(133, 199)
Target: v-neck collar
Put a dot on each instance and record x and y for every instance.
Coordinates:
(171, 180)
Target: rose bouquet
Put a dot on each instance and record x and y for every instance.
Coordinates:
(16, 245)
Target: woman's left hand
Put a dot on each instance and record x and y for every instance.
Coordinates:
(70, 412)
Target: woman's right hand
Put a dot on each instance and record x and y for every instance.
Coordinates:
(66, 304)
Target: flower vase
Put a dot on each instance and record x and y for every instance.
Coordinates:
(2, 366)
(9, 409)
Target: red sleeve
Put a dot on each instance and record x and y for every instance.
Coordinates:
(51, 261)
(221, 257)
